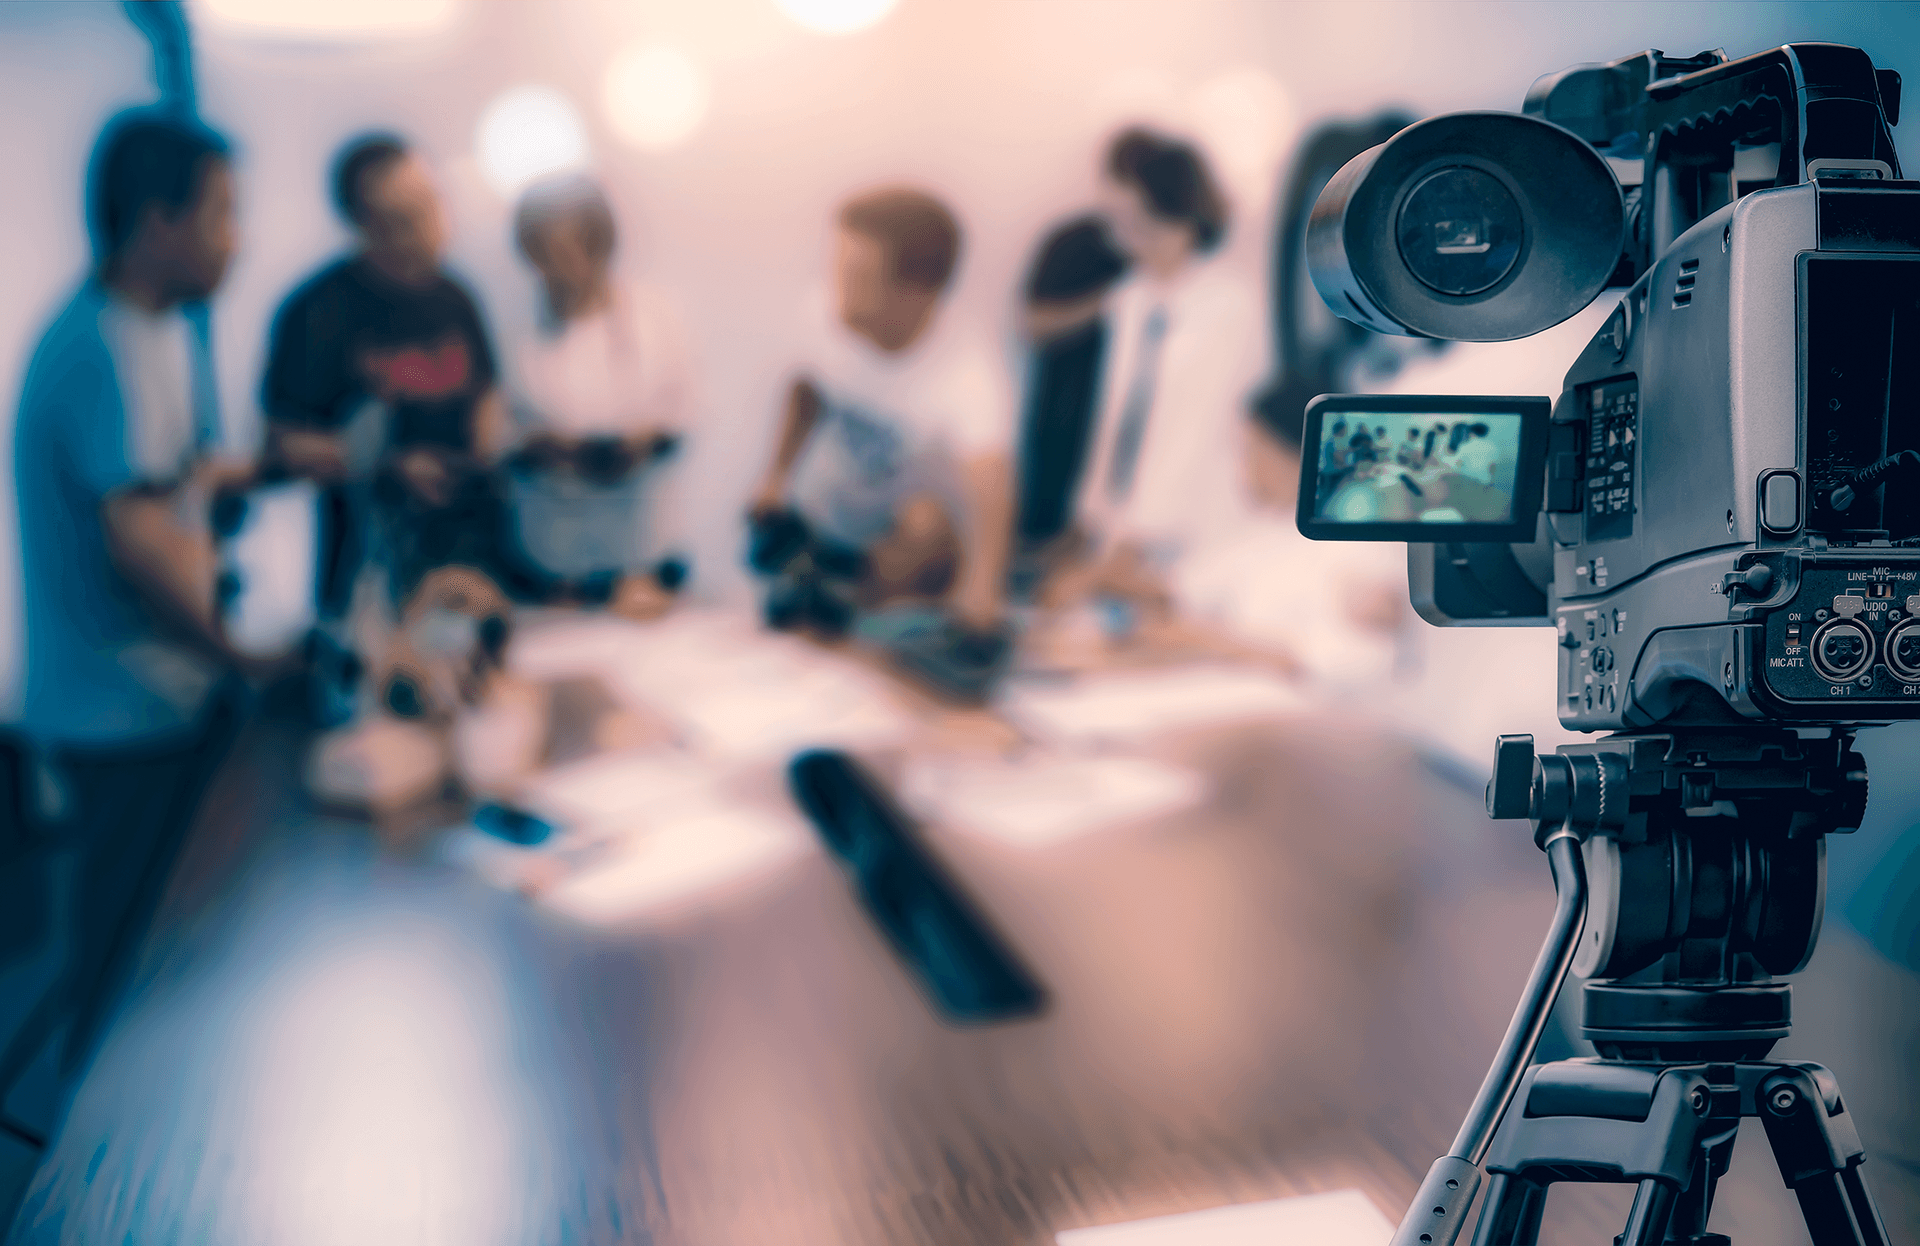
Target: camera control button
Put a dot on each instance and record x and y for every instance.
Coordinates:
(1780, 502)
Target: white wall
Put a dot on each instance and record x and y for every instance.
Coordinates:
(999, 103)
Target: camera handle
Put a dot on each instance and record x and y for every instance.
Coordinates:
(1543, 788)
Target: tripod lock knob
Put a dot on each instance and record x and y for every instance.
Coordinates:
(1510, 791)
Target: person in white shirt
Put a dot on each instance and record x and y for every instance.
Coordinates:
(1479, 457)
(892, 466)
(1332, 613)
(1189, 347)
(605, 393)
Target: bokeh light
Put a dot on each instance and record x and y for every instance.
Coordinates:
(528, 132)
(655, 95)
(836, 17)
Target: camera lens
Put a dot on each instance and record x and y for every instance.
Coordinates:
(1842, 649)
(1460, 231)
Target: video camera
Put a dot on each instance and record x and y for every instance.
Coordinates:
(1718, 516)
(1718, 513)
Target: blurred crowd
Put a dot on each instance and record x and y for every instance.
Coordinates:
(963, 509)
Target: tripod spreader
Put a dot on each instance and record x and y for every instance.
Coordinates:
(1521, 787)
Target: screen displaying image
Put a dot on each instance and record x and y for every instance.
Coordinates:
(1410, 467)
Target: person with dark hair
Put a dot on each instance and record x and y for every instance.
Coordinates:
(1188, 347)
(1408, 454)
(380, 383)
(1174, 186)
(1478, 457)
(605, 394)
(132, 687)
(1066, 330)
(890, 478)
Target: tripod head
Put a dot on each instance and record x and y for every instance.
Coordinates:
(1705, 854)
(1691, 871)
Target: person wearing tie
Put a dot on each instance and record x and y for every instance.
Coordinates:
(1188, 349)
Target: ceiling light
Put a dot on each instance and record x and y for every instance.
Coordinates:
(655, 95)
(836, 17)
(526, 133)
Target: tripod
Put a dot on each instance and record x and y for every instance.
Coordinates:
(1708, 859)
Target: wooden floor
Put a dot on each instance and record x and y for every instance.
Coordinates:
(1294, 989)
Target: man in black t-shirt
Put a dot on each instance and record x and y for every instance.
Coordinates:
(387, 325)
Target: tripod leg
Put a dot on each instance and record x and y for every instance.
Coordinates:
(1510, 1216)
(1819, 1154)
(1865, 1213)
(1834, 1217)
(1693, 1206)
(1652, 1209)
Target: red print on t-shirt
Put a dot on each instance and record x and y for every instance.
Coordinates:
(417, 372)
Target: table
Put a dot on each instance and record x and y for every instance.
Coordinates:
(1292, 986)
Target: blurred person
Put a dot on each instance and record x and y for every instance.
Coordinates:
(606, 394)
(1333, 455)
(380, 387)
(1188, 350)
(1478, 456)
(133, 692)
(1066, 332)
(892, 472)
(1248, 583)
(1315, 351)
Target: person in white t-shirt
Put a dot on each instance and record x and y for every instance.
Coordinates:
(892, 467)
(605, 393)
(1332, 612)
(1189, 346)
(1478, 458)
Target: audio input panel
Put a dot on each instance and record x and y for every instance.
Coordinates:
(1842, 649)
(1903, 651)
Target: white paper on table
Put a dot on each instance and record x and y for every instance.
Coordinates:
(1337, 1218)
(1039, 802)
(697, 858)
(739, 692)
(559, 646)
(273, 556)
(1135, 704)
(732, 688)
(783, 718)
(620, 790)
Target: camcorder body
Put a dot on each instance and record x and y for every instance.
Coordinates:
(1720, 511)
(1718, 514)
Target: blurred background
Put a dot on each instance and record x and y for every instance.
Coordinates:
(694, 1081)
(727, 134)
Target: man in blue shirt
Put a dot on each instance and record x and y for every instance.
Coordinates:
(128, 677)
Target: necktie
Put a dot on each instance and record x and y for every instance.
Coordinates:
(1133, 416)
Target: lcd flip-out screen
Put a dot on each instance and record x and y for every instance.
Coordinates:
(1427, 468)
